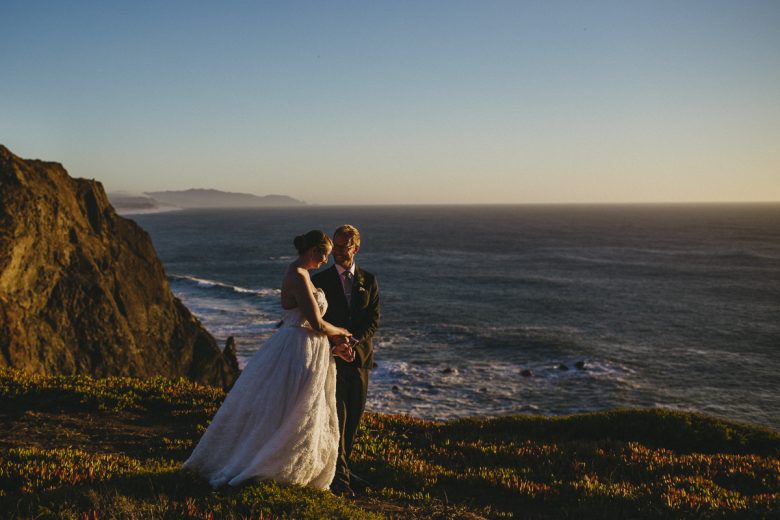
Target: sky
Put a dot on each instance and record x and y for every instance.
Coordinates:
(396, 102)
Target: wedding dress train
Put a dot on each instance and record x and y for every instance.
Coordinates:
(279, 420)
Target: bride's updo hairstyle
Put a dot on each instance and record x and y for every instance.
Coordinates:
(314, 238)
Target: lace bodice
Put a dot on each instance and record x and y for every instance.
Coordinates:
(295, 318)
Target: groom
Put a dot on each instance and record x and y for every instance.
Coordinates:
(353, 303)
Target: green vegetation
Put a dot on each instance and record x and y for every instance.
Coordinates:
(77, 447)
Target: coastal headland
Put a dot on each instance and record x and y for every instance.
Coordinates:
(82, 290)
(78, 447)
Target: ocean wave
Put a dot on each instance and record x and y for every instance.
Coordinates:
(202, 282)
(482, 340)
(439, 391)
(476, 373)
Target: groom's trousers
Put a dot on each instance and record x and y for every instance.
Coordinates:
(351, 389)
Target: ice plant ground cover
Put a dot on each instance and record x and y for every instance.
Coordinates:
(78, 447)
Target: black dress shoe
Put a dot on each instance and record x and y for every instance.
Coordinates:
(342, 489)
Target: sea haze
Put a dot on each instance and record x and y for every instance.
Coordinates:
(674, 306)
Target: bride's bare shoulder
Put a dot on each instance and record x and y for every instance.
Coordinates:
(295, 275)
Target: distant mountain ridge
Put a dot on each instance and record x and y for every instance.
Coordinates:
(209, 198)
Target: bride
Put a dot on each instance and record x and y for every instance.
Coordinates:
(279, 420)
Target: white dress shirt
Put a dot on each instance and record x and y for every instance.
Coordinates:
(341, 275)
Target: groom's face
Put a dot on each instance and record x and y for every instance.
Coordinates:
(344, 251)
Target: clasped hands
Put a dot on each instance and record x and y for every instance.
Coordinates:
(341, 346)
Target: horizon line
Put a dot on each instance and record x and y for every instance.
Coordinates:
(166, 209)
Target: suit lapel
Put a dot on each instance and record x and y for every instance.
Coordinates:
(356, 287)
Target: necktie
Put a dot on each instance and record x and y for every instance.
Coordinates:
(348, 286)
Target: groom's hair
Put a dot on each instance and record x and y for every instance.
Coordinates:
(350, 232)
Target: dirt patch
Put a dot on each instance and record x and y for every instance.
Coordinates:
(139, 435)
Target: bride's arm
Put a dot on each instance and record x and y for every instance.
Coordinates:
(303, 292)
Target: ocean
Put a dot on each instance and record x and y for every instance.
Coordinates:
(490, 310)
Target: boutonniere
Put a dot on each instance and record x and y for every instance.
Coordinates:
(361, 297)
(360, 279)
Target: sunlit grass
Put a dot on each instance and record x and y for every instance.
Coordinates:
(618, 464)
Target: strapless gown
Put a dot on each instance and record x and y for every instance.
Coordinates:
(279, 420)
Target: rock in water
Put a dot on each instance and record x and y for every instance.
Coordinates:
(82, 290)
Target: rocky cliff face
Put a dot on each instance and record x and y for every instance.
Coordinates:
(82, 289)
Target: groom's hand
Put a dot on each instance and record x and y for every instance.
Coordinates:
(344, 351)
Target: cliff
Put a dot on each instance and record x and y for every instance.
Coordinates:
(82, 290)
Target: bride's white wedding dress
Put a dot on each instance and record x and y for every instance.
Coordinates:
(279, 420)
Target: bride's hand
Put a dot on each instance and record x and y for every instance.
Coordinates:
(344, 351)
(337, 340)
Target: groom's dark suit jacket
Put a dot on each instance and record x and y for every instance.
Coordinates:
(361, 318)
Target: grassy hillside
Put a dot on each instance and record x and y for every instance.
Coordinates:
(77, 447)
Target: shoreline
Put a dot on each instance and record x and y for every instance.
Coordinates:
(146, 211)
